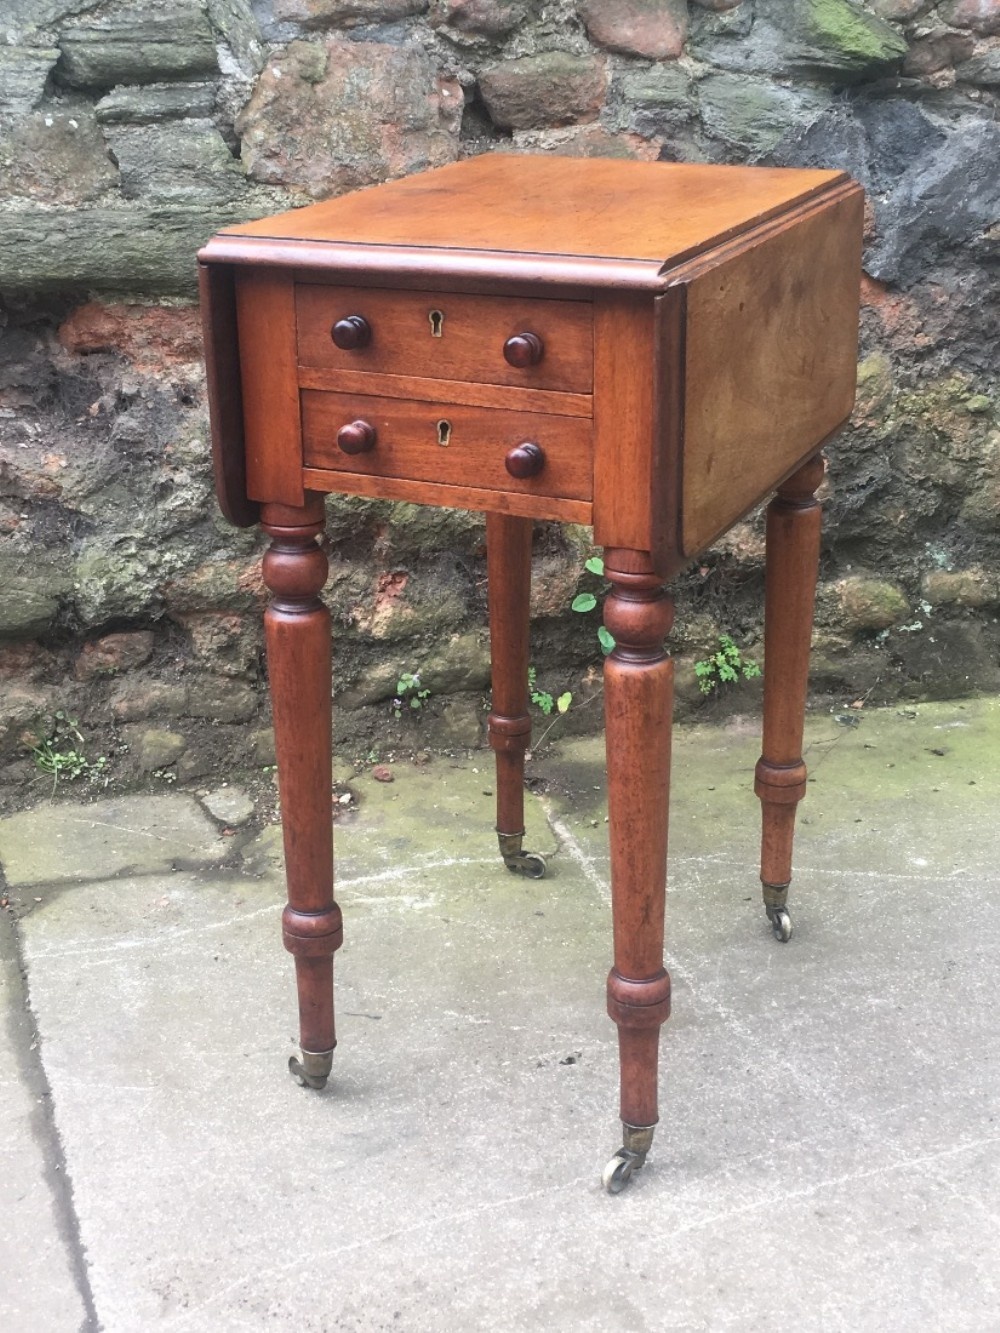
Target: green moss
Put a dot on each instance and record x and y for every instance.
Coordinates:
(979, 405)
(867, 603)
(854, 38)
(875, 389)
(755, 113)
(309, 61)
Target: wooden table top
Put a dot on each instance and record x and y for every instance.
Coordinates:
(647, 215)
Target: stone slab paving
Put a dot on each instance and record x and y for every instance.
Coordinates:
(68, 843)
(829, 1151)
(38, 1278)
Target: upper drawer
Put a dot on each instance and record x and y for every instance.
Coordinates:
(444, 336)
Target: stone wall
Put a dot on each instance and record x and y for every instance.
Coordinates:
(130, 131)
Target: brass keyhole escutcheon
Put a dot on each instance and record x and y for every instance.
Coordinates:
(444, 432)
(436, 318)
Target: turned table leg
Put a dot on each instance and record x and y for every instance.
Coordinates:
(638, 684)
(793, 538)
(297, 631)
(508, 565)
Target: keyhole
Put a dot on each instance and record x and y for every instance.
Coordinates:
(444, 432)
(437, 324)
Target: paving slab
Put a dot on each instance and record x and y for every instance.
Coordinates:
(828, 1155)
(60, 843)
(38, 1275)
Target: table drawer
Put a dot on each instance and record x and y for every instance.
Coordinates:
(446, 336)
(451, 444)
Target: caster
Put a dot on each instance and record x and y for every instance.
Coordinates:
(312, 1070)
(781, 923)
(530, 864)
(618, 1172)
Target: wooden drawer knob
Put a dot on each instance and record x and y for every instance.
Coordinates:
(356, 438)
(351, 333)
(526, 460)
(523, 350)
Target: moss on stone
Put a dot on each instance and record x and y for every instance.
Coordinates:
(850, 36)
(979, 405)
(33, 591)
(754, 113)
(870, 603)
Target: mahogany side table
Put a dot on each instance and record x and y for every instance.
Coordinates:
(650, 348)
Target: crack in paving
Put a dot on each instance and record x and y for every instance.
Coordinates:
(26, 1045)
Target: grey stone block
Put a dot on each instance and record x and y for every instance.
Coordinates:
(945, 200)
(154, 102)
(754, 114)
(149, 249)
(56, 155)
(136, 46)
(660, 85)
(23, 74)
(154, 747)
(237, 23)
(229, 805)
(221, 699)
(182, 162)
(983, 69)
(834, 39)
(25, 16)
(33, 591)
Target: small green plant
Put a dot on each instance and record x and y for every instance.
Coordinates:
(545, 701)
(725, 666)
(409, 694)
(59, 755)
(586, 601)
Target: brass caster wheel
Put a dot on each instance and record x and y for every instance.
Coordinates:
(530, 864)
(313, 1070)
(781, 923)
(618, 1172)
(518, 862)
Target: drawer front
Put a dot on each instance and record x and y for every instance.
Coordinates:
(446, 336)
(450, 444)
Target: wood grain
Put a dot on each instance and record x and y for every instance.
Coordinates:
(297, 629)
(266, 313)
(770, 357)
(700, 327)
(448, 391)
(225, 400)
(407, 443)
(522, 204)
(670, 324)
(450, 497)
(508, 561)
(623, 420)
(638, 699)
(794, 521)
(557, 276)
(473, 332)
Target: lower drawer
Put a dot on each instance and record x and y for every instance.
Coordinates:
(451, 444)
